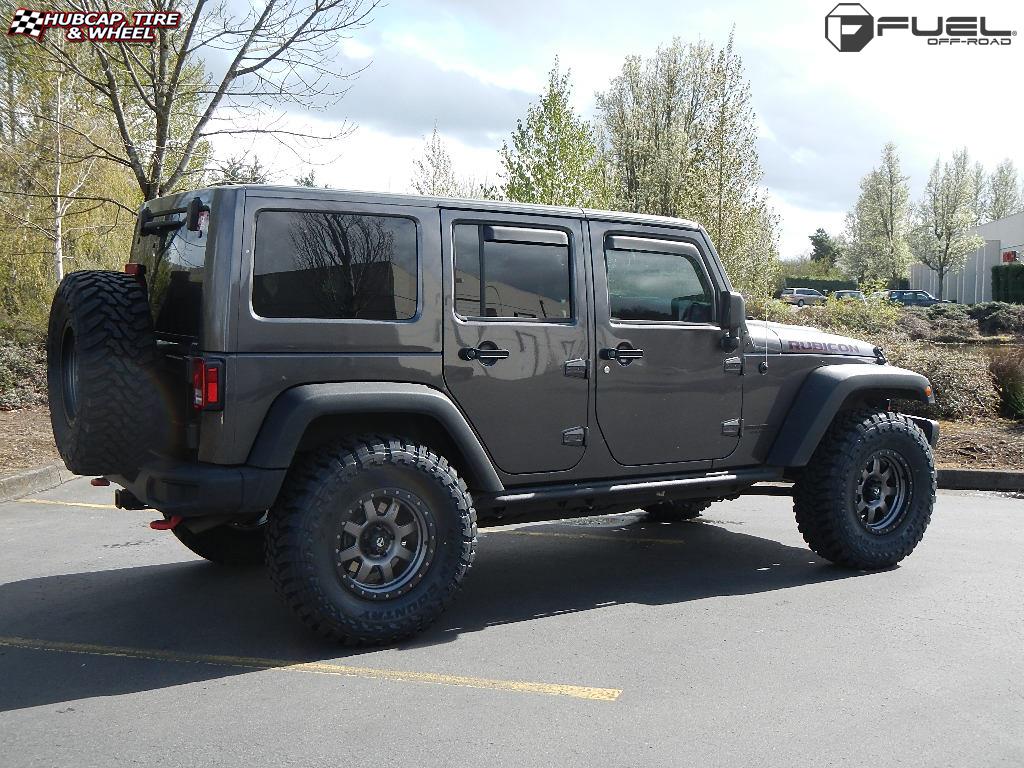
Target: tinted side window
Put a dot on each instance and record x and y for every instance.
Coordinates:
(657, 286)
(510, 280)
(334, 266)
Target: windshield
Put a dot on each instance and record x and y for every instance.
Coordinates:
(175, 260)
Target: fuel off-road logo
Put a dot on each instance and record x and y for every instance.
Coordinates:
(849, 27)
(93, 26)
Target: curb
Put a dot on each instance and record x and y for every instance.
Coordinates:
(981, 479)
(33, 481)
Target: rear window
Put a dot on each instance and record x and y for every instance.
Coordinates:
(175, 261)
(316, 264)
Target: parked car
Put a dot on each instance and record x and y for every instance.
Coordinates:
(909, 298)
(849, 296)
(346, 384)
(802, 296)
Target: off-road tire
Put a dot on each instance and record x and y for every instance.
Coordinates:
(101, 357)
(825, 496)
(676, 511)
(319, 493)
(233, 545)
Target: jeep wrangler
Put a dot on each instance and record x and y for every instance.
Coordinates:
(343, 385)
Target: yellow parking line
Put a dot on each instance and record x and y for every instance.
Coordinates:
(554, 534)
(57, 503)
(317, 667)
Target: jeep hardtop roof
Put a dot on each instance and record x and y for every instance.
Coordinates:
(389, 198)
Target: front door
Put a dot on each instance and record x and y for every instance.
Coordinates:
(667, 390)
(515, 337)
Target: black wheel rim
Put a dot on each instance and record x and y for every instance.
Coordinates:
(883, 491)
(384, 544)
(69, 374)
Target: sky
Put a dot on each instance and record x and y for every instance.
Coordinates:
(472, 67)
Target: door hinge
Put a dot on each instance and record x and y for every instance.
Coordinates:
(575, 436)
(734, 365)
(732, 426)
(577, 368)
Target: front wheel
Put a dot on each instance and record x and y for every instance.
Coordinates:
(370, 540)
(866, 497)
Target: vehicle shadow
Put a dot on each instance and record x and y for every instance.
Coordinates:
(197, 608)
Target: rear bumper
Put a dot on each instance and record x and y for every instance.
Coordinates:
(192, 489)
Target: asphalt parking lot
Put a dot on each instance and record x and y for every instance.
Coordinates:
(605, 642)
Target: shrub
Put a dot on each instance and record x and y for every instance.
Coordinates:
(1007, 367)
(1008, 282)
(1002, 318)
(22, 375)
(851, 317)
(773, 310)
(946, 322)
(963, 383)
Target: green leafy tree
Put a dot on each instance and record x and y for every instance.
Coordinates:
(824, 248)
(877, 228)
(433, 172)
(552, 156)
(1004, 197)
(680, 140)
(945, 217)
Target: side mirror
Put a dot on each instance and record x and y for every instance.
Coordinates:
(733, 314)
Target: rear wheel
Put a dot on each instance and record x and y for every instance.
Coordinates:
(800, 302)
(866, 497)
(238, 544)
(676, 511)
(369, 541)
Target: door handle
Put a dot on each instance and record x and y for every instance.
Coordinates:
(625, 353)
(488, 355)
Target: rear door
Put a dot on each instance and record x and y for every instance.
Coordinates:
(515, 338)
(666, 389)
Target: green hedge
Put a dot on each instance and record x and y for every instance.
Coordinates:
(825, 286)
(1008, 283)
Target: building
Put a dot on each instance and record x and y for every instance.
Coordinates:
(973, 283)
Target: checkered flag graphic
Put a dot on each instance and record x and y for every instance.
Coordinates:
(27, 22)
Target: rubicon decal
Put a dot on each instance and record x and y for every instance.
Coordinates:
(849, 27)
(93, 26)
(836, 348)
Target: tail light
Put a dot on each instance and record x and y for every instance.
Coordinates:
(207, 384)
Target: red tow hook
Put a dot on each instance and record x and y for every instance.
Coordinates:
(166, 525)
(99, 482)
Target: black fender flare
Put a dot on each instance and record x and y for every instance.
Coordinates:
(296, 408)
(822, 395)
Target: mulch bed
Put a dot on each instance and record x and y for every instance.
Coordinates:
(26, 441)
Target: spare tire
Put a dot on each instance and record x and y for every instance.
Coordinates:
(101, 362)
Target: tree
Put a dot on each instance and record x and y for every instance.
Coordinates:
(979, 196)
(680, 140)
(878, 226)
(553, 156)
(1004, 198)
(164, 105)
(239, 169)
(945, 216)
(824, 247)
(433, 173)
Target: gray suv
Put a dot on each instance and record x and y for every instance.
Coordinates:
(344, 385)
